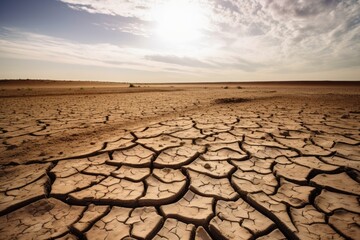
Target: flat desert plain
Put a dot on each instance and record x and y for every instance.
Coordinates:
(87, 160)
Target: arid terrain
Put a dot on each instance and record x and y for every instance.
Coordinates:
(88, 160)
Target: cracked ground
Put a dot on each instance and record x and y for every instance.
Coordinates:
(189, 163)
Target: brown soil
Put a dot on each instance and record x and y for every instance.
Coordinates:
(216, 161)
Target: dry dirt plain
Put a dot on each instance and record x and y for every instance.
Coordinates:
(104, 161)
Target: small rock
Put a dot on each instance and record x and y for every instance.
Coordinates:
(11, 147)
(285, 134)
(207, 166)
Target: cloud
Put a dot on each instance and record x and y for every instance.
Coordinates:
(241, 64)
(136, 28)
(182, 61)
(126, 8)
(298, 34)
(24, 45)
(301, 9)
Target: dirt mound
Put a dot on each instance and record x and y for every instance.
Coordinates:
(231, 100)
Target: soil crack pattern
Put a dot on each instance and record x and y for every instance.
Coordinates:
(237, 169)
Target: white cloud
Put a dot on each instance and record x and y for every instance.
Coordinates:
(25, 45)
(291, 34)
(126, 8)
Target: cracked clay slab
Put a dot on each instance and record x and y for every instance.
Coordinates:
(191, 208)
(43, 219)
(238, 220)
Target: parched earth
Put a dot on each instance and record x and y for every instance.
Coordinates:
(208, 166)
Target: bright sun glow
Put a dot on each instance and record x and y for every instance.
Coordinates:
(179, 21)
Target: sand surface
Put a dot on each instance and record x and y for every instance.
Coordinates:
(83, 160)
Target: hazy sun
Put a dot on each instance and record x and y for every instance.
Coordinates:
(179, 21)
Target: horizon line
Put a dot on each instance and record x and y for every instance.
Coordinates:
(187, 82)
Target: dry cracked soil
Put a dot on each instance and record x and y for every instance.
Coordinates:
(183, 162)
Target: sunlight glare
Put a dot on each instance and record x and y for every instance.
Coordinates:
(179, 21)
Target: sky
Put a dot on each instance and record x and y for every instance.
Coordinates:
(180, 40)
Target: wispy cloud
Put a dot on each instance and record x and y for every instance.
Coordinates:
(182, 61)
(127, 8)
(24, 45)
(17, 44)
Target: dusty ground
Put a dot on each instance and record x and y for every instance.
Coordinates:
(105, 161)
